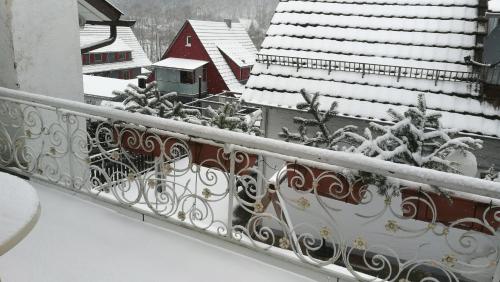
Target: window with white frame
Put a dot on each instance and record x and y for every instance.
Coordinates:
(189, 40)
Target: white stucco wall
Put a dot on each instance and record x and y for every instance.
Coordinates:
(8, 77)
(45, 38)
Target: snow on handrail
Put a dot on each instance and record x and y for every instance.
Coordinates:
(286, 151)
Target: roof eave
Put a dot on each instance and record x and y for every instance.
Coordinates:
(106, 8)
(491, 14)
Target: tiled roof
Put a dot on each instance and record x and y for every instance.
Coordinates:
(427, 34)
(214, 34)
(238, 54)
(125, 40)
(494, 6)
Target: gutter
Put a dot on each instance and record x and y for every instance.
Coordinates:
(112, 34)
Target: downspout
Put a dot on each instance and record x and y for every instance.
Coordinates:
(103, 43)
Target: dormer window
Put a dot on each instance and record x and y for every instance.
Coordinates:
(189, 40)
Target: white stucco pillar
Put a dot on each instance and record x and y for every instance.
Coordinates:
(40, 45)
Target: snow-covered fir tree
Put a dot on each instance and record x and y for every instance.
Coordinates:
(416, 137)
(229, 117)
(492, 174)
(150, 101)
(323, 137)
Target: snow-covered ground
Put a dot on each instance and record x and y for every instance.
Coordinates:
(76, 240)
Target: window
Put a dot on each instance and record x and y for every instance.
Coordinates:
(98, 58)
(187, 77)
(189, 40)
(120, 56)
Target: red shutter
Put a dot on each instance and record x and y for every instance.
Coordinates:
(84, 62)
(105, 58)
(92, 59)
(117, 56)
(127, 56)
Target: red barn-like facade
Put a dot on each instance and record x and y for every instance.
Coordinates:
(227, 48)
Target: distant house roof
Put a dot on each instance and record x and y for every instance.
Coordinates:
(126, 41)
(117, 46)
(215, 34)
(494, 7)
(370, 56)
(104, 86)
(181, 64)
(98, 10)
(237, 53)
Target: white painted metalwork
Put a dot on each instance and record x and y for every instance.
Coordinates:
(295, 201)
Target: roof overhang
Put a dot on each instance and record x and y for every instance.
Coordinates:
(98, 10)
(180, 64)
(492, 15)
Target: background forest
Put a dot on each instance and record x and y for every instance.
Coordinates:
(158, 21)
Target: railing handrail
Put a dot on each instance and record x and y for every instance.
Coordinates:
(289, 151)
(398, 71)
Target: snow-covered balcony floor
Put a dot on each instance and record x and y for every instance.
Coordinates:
(77, 240)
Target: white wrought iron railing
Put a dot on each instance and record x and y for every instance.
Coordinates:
(286, 199)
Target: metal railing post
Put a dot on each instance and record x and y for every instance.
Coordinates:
(69, 139)
(231, 187)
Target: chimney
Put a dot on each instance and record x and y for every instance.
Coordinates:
(228, 22)
(142, 81)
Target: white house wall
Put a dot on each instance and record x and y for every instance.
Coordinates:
(47, 47)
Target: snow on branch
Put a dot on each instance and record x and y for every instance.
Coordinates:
(416, 138)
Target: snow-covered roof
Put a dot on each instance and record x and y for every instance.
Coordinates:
(494, 6)
(117, 46)
(237, 53)
(213, 34)
(104, 86)
(180, 63)
(126, 40)
(428, 34)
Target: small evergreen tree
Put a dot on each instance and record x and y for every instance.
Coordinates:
(323, 137)
(492, 174)
(228, 117)
(415, 138)
(150, 101)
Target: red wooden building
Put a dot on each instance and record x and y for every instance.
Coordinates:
(220, 55)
